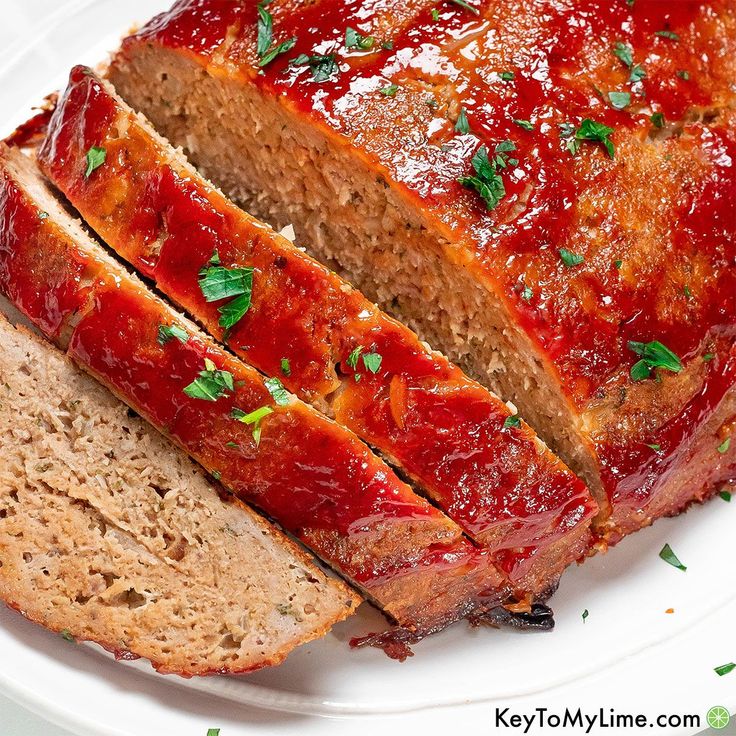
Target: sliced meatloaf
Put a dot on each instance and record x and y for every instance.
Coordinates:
(109, 534)
(542, 190)
(328, 344)
(317, 479)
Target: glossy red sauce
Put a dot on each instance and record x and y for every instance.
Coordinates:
(446, 432)
(33, 130)
(562, 57)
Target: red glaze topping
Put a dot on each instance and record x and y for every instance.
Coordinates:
(446, 432)
(316, 479)
(657, 265)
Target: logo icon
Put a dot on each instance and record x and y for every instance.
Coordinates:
(718, 717)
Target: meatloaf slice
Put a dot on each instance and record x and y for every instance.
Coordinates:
(109, 534)
(485, 172)
(314, 477)
(327, 343)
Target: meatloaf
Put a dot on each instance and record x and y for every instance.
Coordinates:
(544, 191)
(314, 477)
(109, 534)
(322, 339)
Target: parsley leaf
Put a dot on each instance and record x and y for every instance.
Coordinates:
(213, 732)
(667, 34)
(285, 367)
(277, 50)
(211, 384)
(590, 130)
(95, 158)
(67, 635)
(467, 6)
(638, 73)
(585, 615)
(462, 126)
(218, 282)
(724, 669)
(624, 52)
(277, 390)
(166, 333)
(569, 258)
(507, 76)
(670, 558)
(488, 182)
(354, 40)
(323, 66)
(253, 419)
(372, 361)
(389, 91)
(513, 421)
(619, 100)
(723, 447)
(265, 30)
(524, 124)
(653, 355)
(657, 119)
(683, 74)
(352, 359)
(526, 293)
(725, 495)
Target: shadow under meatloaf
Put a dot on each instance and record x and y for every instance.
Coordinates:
(109, 534)
(315, 478)
(549, 273)
(460, 444)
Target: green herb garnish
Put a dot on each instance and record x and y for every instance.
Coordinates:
(585, 614)
(624, 52)
(462, 126)
(653, 355)
(569, 258)
(277, 390)
(683, 74)
(323, 66)
(725, 495)
(465, 5)
(656, 448)
(670, 558)
(590, 130)
(487, 181)
(723, 447)
(286, 367)
(352, 359)
(66, 635)
(95, 158)
(526, 293)
(217, 282)
(390, 90)
(524, 124)
(507, 76)
(166, 333)
(513, 421)
(354, 40)
(253, 418)
(277, 50)
(619, 100)
(724, 669)
(667, 34)
(657, 119)
(637, 74)
(266, 54)
(211, 384)
(372, 361)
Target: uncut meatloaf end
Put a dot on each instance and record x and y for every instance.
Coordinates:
(542, 294)
(316, 479)
(109, 534)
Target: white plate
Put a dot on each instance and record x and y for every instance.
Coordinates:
(629, 655)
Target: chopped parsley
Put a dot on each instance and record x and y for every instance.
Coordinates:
(653, 355)
(390, 90)
(708, 357)
(507, 76)
(286, 367)
(725, 495)
(624, 52)
(619, 100)
(667, 34)
(524, 124)
(277, 390)
(526, 293)
(637, 73)
(323, 66)
(513, 421)
(352, 359)
(683, 74)
(213, 732)
(723, 447)
(95, 158)
(253, 419)
(671, 558)
(66, 635)
(217, 282)
(585, 615)
(724, 669)
(372, 361)
(211, 384)
(354, 40)
(569, 258)
(656, 448)
(462, 126)
(590, 130)
(267, 53)
(466, 6)
(487, 181)
(166, 333)
(43, 215)
(435, 14)
(657, 119)
(617, 264)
